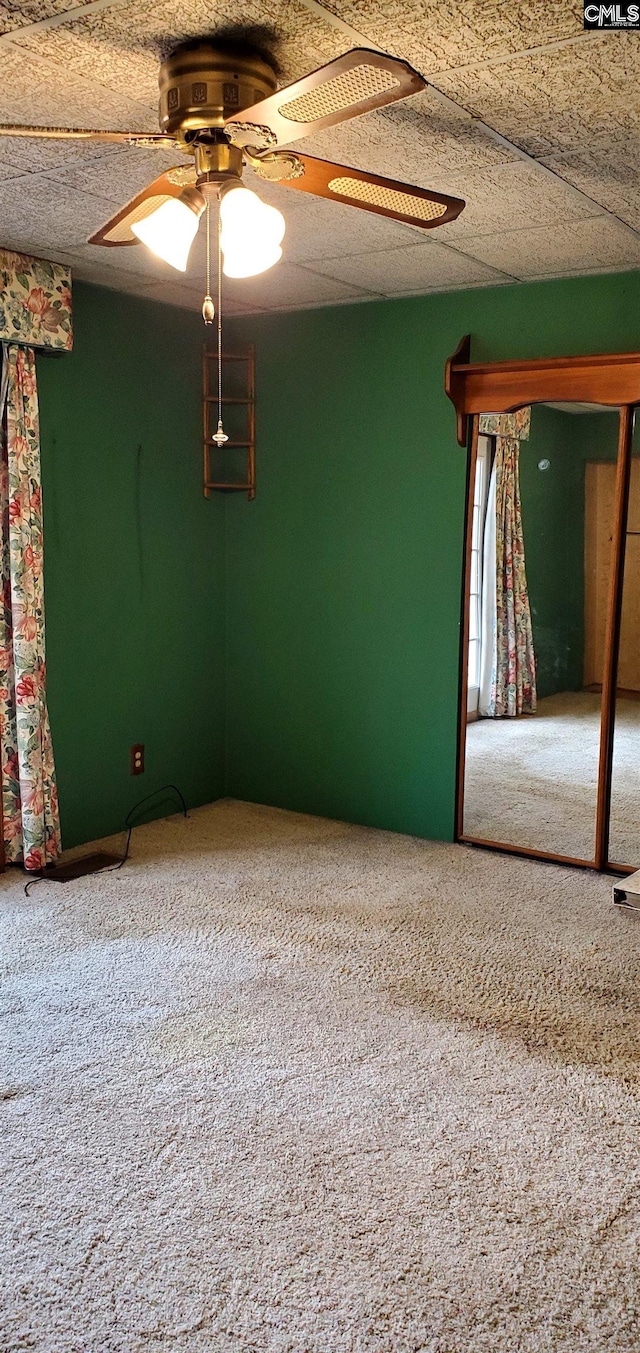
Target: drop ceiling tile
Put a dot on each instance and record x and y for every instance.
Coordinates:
(419, 267)
(10, 171)
(596, 245)
(33, 156)
(510, 197)
(121, 176)
(438, 34)
(35, 213)
(133, 261)
(186, 298)
(13, 17)
(608, 171)
(561, 99)
(112, 276)
(45, 98)
(414, 142)
(288, 286)
(95, 54)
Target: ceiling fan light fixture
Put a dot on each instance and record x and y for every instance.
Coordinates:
(251, 233)
(170, 230)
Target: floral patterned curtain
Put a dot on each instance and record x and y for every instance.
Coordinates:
(29, 796)
(513, 678)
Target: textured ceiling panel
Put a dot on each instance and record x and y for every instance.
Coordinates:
(53, 95)
(13, 17)
(136, 261)
(586, 246)
(512, 196)
(413, 142)
(561, 99)
(576, 107)
(288, 286)
(35, 213)
(9, 171)
(420, 267)
(124, 174)
(607, 171)
(439, 34)
(36, 157)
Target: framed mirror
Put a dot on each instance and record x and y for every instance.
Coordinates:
(549, 735)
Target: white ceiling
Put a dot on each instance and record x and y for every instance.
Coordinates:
(533, 121)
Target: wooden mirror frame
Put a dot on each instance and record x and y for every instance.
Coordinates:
(501, 387)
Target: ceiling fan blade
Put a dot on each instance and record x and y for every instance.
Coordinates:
(352, 84)
(118, 230)
(387, 197)
(144, 139)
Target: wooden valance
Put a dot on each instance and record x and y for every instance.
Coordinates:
(501, 387)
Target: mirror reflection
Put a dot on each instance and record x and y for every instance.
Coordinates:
(624, 842)
(543, 513)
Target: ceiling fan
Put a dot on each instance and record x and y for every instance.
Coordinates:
(219, 103)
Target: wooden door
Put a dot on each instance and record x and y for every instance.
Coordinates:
(600, 492)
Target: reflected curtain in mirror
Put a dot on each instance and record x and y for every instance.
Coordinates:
(508, 684)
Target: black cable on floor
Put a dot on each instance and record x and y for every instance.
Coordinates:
(129, 825)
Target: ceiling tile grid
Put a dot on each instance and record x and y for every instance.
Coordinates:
(428, 266)
(534, 122)
(607, 170)
(13, 17)
(443, 34)
(556, 100)
(596, 245)
(509, 197)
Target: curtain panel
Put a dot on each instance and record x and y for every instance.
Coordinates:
(514, 682)
(517, 424)
(29, 796)
(35, 302)
(508, 684)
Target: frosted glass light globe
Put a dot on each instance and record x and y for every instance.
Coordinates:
(170, 231)
(251, 233)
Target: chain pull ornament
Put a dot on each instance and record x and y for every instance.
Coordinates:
(208, 308)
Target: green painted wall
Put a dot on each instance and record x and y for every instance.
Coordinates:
(134, 563)
(338, 593)
(343, 577)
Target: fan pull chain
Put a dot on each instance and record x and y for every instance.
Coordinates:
(208, 311)
(220, 437)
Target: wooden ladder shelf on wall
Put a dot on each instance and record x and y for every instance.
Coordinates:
(247, 399)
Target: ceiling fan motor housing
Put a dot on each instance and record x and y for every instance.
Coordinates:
(201, 86)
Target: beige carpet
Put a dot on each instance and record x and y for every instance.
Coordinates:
(290, 1086)
(533, 781)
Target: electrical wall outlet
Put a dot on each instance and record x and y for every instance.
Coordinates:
(136, 758)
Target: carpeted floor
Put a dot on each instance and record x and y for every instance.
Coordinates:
(533, 781)
(290, 1086)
